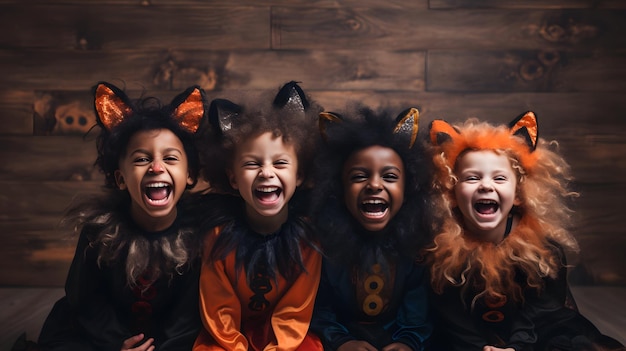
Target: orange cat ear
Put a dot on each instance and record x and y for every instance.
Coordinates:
(525, 125)
(325, 121)
(111, 104)
(189, 108)
(442, 132)
(408, 124)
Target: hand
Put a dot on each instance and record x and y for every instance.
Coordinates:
(493, 348)
(356, 345)
(128, 344)
(396, 346)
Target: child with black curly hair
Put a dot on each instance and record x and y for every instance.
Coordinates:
(374, 210)
(133, 282)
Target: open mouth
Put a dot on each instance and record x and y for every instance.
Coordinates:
(486, 207)
(267, 193)
(158, 193)
(374, 208)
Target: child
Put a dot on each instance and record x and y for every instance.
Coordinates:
(373, 210)
(133, 281)
(260, 268)
(498, 268)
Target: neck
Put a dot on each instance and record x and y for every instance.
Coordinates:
(266, 224)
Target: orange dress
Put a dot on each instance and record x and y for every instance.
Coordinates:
(275, 316)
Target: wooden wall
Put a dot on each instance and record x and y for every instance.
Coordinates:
(492, 59)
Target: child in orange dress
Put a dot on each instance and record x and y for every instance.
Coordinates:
(261, 268)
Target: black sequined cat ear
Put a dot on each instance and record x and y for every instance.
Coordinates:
(325, 122)
(291, 97)
(111, 104)
(408, 125)
(222, 112)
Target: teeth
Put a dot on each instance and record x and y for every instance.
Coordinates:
(373, 202)
(267, 189)
(157, 185)
(486, 202)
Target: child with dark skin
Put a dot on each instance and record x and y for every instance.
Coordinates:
(373, 212)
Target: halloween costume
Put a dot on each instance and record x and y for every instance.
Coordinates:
(513, 293)
(109, 295)
(373, 286)
(257, 290)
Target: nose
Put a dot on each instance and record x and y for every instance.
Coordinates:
(374, 184)
(266, 172)
(156, 167)
(485, 186)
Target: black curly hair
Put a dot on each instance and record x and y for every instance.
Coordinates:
(342, 237)
(148, 114)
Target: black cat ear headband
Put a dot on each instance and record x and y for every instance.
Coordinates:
(407, 124)
(113, 106)
(290, 97)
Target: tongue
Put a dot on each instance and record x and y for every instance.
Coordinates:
(486, 208)
(263, 196)
(156, 193)
(374, 208)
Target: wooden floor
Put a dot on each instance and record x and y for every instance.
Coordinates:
(23, 310)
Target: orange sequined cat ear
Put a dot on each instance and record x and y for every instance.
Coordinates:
(442, 132)
(408, 125)
(525, 125)
(111, 104)
(189, 108)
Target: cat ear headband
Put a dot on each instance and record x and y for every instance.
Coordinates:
(113, 106)
(521, 136)
(290, 97)
(407, 124)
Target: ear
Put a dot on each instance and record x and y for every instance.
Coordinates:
(407, 125)
(325, 121)
(222, 112)
(111, 104)
(442, 132)
(232, 179)
(525, 125)
(119, 180)
(291, 97)
(189, 108)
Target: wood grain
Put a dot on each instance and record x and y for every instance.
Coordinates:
(415, 29)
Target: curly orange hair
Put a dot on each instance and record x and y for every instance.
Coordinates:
(543, 178)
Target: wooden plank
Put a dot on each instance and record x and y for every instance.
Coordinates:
(48, 159)
(88, 27)
(528, 4)
(16, 112)
(531, 71)
(213, 70)
(264, 3)
(24, 311)
(411, 29)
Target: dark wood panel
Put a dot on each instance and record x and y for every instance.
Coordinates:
(213, 70)
(404, 29)
(16, 112)
(265, 3)
(515, 71)
(527, 4)
(88, 27)
(48, 159)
